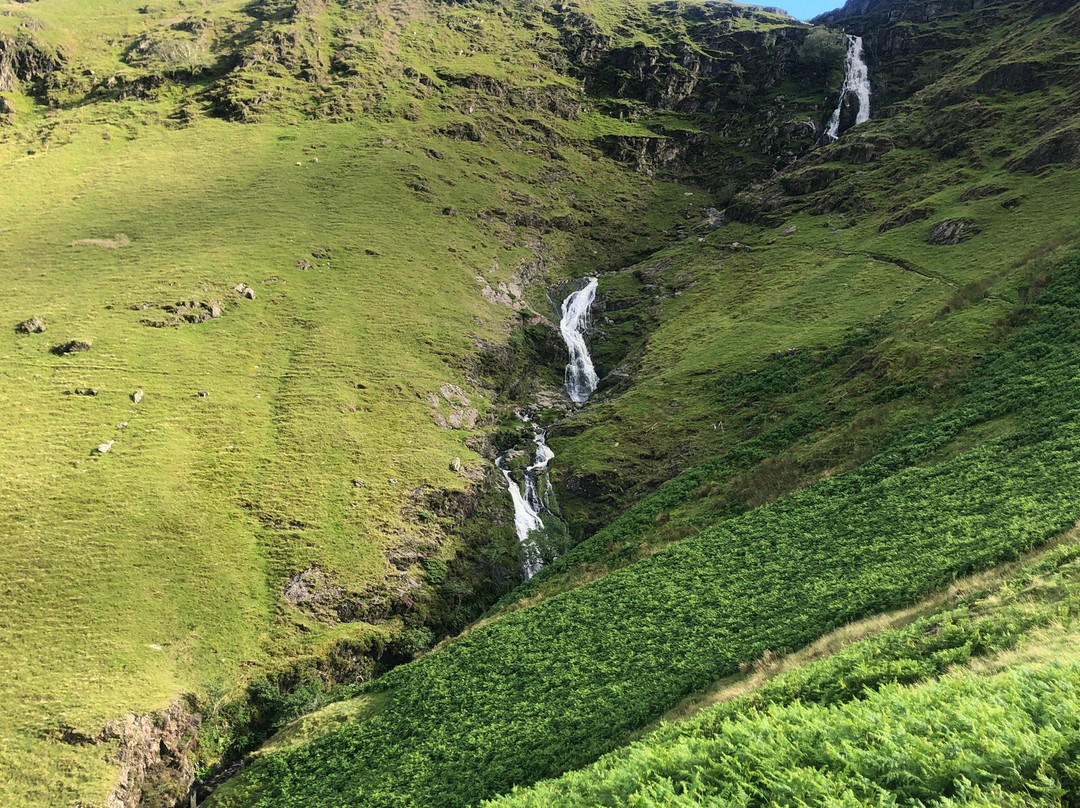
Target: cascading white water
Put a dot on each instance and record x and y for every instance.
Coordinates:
(856, 81)
(581, 378)
(533, 495)
(528, 501)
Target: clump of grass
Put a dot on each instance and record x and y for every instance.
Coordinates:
(118, 241)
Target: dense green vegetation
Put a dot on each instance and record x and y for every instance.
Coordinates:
(548, 688)
(396, 182)
(1007, 740)
(1030, 619)
(810, 412)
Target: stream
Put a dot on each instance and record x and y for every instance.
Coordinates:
(856, 82)
(533, 496)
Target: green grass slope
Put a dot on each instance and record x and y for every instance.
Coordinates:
(787, 740)
(569, 678)
(158, 568)
(375, 173)
(882, 322)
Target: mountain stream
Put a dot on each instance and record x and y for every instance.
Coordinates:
(857, 83)
(534, 495)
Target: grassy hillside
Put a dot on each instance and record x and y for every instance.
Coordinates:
(789, 737)
(810, 413)
(696, 338)
(549, 687)
(159, 567)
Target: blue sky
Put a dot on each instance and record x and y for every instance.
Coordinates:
(803, 9)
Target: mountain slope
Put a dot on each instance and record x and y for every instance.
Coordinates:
(404, 186)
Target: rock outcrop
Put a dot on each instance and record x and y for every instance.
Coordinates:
(155, 756)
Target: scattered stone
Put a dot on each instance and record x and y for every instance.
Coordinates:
(137, 396)
(35, 325)
(244, 290)
(787, 231)
(249, 293)
(393, 481)
(715, 218)
(311, 585)
(215, 309)
(449, 210)
(907, 217)
(952, 231)
(314, 159)
(85, 391)
(203, 393)
(72, 346)
(104, 447)
(358, 483)
(455, 464)
(454, 394)
(981, 192)
(154, 646)
(463, 419)
(122, 425)
(303, 265)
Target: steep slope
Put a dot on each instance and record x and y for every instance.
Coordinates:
(402, 185)
(791, 738)
(553, 685)
(276, 516)
(920, 446)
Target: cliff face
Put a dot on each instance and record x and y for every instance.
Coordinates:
(911, 43)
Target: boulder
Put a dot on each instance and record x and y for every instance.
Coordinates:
(72, 346)
(907, 217)
(137, 396)
(104, 447)
(981, 192)
(35, 325)
(952, 231)
(455, 464)
(715, 218)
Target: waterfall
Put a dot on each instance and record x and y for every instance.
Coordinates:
(529, 499)
(533, 495)
(581, 378)
(857, 83)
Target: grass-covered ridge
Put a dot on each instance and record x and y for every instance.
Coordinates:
(569, 678)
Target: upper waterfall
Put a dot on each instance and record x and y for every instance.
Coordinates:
(581, 378)
(857, 83)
